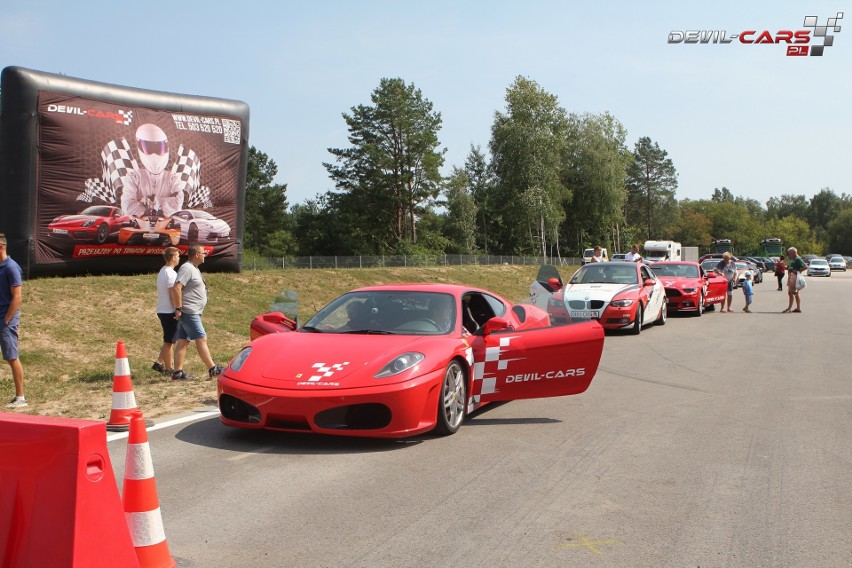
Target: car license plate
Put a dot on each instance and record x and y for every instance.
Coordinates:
(60, 231)
(151, 236)
(585, 314)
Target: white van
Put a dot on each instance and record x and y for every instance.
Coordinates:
(661, 250)
(589, 253)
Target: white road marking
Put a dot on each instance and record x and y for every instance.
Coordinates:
(182, 420)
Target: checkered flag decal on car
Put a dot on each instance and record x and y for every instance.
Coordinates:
(187, 167)
(117, 162)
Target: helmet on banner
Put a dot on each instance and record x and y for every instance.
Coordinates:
(153, 147)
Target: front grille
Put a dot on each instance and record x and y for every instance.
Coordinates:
(583, 305)
(672, 293)
(367, 416)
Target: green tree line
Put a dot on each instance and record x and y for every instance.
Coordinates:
(551, 183)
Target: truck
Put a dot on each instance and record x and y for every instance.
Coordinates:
(690, 254)
(720, 246)
(662, 250)
(771, 248)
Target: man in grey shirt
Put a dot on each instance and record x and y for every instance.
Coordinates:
(189, 296)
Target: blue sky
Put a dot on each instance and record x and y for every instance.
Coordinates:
(746, 117)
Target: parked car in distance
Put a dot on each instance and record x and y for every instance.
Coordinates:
(617, 294)
(819, 267)
(837, 263)
(619, 256)
(689, 287)
(809, 257)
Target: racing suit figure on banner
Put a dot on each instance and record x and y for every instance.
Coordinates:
(151, 190)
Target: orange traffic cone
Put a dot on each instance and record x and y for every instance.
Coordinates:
(123, 399)
(141, 505)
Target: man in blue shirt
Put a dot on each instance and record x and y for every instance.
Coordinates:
(10, 304)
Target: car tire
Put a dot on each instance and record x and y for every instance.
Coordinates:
(700, 311)
(103, 233)
(664, 315)
(637, 323)
(452, 400)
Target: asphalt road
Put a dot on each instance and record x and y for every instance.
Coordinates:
(720, 441)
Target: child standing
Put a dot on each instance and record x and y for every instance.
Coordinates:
(748, 292)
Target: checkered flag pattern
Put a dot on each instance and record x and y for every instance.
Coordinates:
(822, 31)
(117, 161)
(187, 167)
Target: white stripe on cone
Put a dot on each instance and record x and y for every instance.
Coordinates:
(123, 400)
(146, 528)
(138, 465)
(122, 368)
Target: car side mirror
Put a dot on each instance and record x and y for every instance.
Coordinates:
(494, 324)
(649, 282)
(554, 283)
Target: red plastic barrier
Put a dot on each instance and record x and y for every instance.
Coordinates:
(59, 502)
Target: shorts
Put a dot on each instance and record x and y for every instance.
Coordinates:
(9, 340)
(731, 287)
(170, 326)
(190, 327)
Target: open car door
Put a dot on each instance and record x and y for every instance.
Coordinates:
(545, 284)
(534, 363)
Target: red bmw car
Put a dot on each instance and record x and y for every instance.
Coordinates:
(617, 294)
(394, 361)
(97, 223)
(689, 287)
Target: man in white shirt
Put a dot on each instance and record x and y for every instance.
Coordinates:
(633, 255)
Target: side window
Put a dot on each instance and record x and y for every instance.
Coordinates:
(496, 305)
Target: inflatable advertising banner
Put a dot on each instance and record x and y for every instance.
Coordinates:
(101, 178)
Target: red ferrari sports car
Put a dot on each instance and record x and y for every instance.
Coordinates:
(689, 287)
(394, 361)
(617, 294)
(97, 223)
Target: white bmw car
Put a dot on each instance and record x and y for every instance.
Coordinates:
(197, 226)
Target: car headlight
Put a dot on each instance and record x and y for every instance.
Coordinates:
(621, 303)
(240, 359)
(690, 290)
(399, 364)
(89, 223)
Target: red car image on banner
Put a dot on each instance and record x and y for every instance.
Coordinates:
(93, 170)
(97, 224)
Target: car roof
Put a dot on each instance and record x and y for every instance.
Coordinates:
(455, 289)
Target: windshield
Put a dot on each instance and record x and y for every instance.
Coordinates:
(97, 210)
(387, 312)
(675, 270)
(606, 273)
(818, 262)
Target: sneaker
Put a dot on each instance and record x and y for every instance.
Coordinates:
(179, 376)
(159, 367)
(17, 402)
(215, 371)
